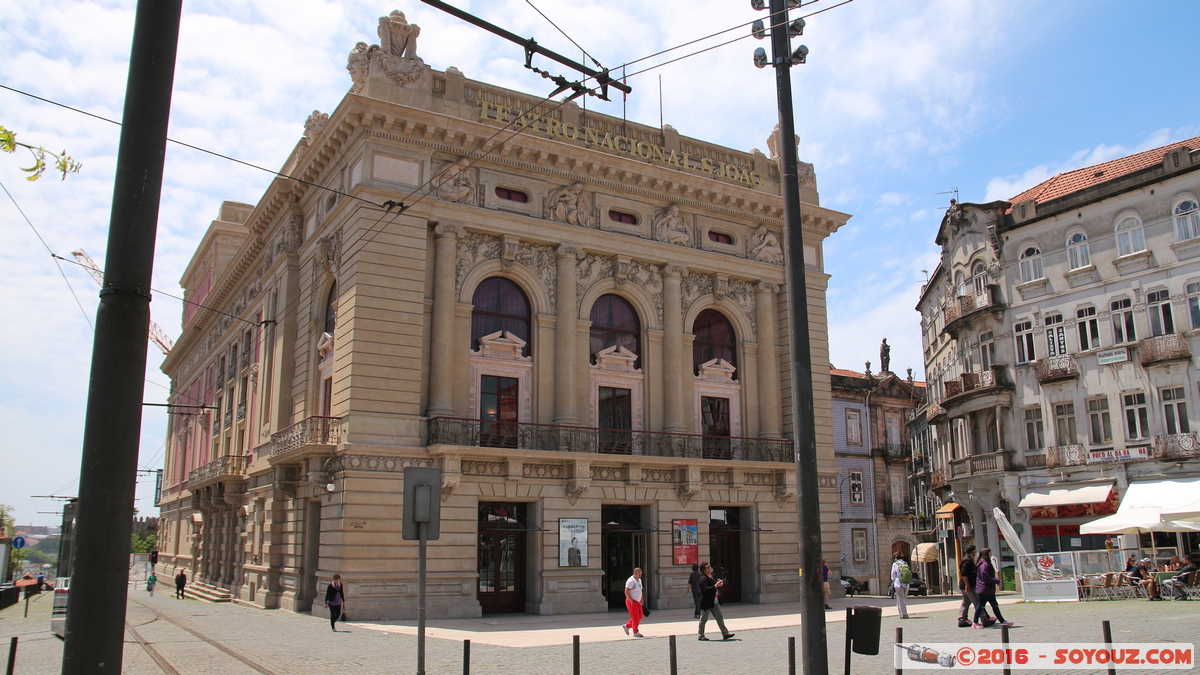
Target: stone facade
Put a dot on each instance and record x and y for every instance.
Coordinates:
(340, 342)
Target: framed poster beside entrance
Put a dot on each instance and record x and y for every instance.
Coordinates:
(685, 542)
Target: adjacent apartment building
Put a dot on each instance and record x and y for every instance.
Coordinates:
(1058, 330)
(581, 320)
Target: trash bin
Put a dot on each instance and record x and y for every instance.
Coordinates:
(862, 629)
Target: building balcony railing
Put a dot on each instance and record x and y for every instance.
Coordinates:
(1056, 369)
(919, 466)
(245, 363)
(895, 450)
(524, 436)
(933, 410)
(241, 410)
(898, 509)
(969, 384)
(315, 433)
(937, 479)
(222, 468)
(1161, 348)
(1176, 446)
(220, 377)
(1037, 461)
(228, 421)
(1066, 455)
(233, 366)
(962, 307)
(923, 524)
(977, 464)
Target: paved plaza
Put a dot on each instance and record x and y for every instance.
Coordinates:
(186, 636)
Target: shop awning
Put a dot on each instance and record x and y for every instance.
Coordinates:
(926, 553)
(1190, 512)
(1058, 496)
(947, 510)
(1144, 505)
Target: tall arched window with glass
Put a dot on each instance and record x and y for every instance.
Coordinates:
(500, 305)
(979, 278)
(715, 339)
(614, 322)
(1077, 251)
(1187, 220)
(1030, 264)
(1130, 238)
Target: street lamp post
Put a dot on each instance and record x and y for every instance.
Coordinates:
(814, 654)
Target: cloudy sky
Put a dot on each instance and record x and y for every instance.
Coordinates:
(901, 102)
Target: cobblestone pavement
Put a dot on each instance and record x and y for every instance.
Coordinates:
(257, 641)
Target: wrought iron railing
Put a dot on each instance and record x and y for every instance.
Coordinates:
(228, 421)
(313, 430)
(230, 465)
(241, 410)
(953, 388)
(1169, 347)
(246, 359)
(891, 508)
(524, 436)
(918, 466)
(937, 479)
(233, 366)
(969, 466)
(220, 377)
(1066, 455)
(1054, 368)
(933, 410)
(923, 524)
(1176, 446)
(895, 450)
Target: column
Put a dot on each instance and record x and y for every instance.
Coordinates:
(673, 361)
(770, 411)
(441, 338)
(565, 361)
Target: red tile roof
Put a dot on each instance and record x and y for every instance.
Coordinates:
(845, 373)
(1079, 179)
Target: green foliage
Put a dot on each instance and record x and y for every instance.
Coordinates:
(143, 543)
(61, 161)
(7, 529)
(1009, 575)
(39, 557)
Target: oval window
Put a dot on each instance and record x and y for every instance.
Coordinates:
(719, 237)
(512, 195)
(622, 217)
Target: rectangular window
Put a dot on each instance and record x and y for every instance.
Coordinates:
(987, 350)
(1099, 421)
(1137, 422)
(858, 537)
(1089, 328)
(498, 410)
(1064, 423)
(853, 428)
(1175, 411)
(893, 430)
(715, 427)
(857, 496)
(615, 419)
(1056, 336)
(1193, 303)
(1023, 330)
(1158, 306)
(1122, 321)
(1034, 434)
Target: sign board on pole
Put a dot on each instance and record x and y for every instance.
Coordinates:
(422, 502)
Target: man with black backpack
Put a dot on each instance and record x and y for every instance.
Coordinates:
(966, 584)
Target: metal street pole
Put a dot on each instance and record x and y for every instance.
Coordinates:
(95, 628)
(813, 650)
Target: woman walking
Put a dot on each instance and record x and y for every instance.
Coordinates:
(985, 588)
(335, 600)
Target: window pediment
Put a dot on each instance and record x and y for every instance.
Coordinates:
(502, 345)
(325, 346)
(717, 370)
(616, 359)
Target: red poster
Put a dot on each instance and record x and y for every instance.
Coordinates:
(685, 542)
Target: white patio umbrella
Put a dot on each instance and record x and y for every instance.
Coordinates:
(1187, 513)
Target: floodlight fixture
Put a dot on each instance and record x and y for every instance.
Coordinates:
(796, 28)
(760, 58)
(800, 55)
(758, 30)
(758, 5)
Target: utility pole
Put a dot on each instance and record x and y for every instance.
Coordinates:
(95, 628)
(814, 653)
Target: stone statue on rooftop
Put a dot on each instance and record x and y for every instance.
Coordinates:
(885, 357)
(395, 56)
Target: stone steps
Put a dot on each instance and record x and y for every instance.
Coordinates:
(207, 592)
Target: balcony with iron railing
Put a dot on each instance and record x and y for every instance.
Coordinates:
(970, 385)
(231, 467)
(979, 464)
(245, 362)
(1175, 446)
(1056, 369)
(1073, 454)
(919, 466)
(895, 450)
(228, 421)
(921, 524)
(934, 410)
(555, 438)
(233, 366)
(311, 435)
(897, 509)
(1164, 348)
(220, 378)
(1035, 461)
(959, 310)
(937, 479)
(241, 410)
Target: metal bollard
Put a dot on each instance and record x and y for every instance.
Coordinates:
(1004, 641)
(466, 657)
(899, 639)
(1112, 669)
(791, 655)
(575, 655)
(674, 656)
(12, 656)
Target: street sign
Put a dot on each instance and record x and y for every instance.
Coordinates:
(18, 542)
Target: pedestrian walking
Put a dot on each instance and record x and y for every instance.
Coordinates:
(150, 581)
(901, 578)
(180, 584)
(825, 582)
(985, 588)
(966, 584)
(694, 588)
(633, 602)
(335, 600)
(709, 605)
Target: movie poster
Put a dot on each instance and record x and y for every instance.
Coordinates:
(572, 542)
(685, 542)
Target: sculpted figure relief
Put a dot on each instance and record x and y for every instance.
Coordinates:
(314, 123)
(456, 183)
(765, 246)
(567, 205)
(398, 37)
(670, 227)
(395, 56)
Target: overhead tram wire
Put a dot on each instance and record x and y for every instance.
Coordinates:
(564, 33)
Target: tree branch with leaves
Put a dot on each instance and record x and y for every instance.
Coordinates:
(42, 158)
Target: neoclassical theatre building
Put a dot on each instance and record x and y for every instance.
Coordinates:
(582, 321)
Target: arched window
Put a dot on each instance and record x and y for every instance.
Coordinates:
(331, 309)
(1130, 238)
(500, 305)
(960, 284)
(715, 339)
(979, 277)
(1187, 220)
(615, 323)
(1077, 251)
(1031, 264)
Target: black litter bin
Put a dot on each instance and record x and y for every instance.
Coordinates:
(862, 629)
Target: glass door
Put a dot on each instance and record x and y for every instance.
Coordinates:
(615, 420)
(498, 400)
(714, 421)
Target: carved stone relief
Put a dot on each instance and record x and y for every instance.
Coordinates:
(593, 268)
(455, 183)
(670, 227)
(764, 246)
(696, 286)
(568, 204)
(395, 56)
(475, 248)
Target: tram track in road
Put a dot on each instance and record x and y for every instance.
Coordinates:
(165, 664)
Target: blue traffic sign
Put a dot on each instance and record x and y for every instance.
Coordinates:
(18, 542)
